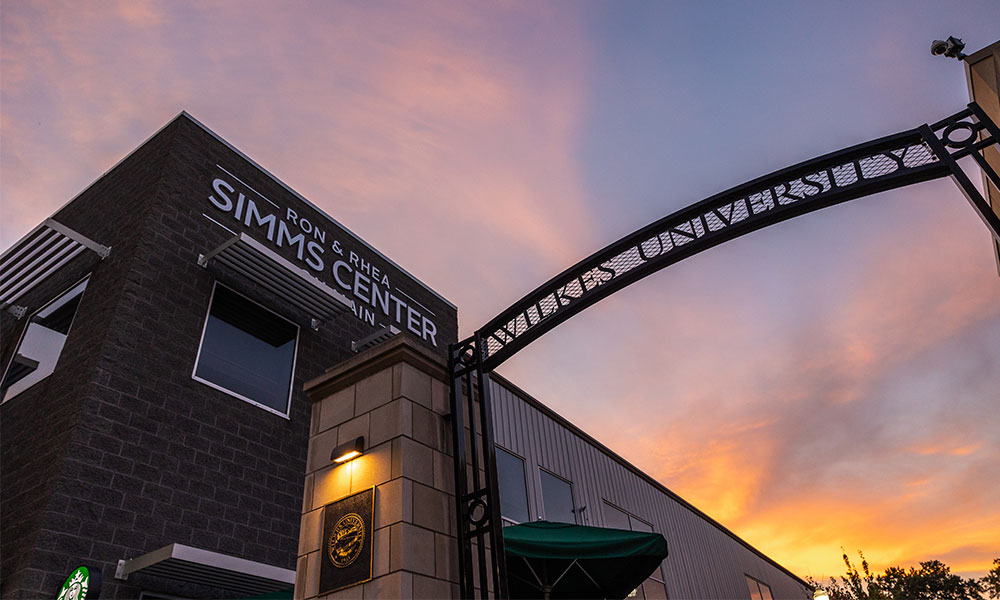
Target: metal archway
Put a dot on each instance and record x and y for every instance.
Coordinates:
(917, 155)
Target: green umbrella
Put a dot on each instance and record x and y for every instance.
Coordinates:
(559, 560)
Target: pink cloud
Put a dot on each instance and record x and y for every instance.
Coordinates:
(407, 123)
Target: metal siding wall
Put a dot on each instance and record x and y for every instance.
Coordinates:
(704, 562)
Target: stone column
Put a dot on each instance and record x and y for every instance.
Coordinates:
(395, 394)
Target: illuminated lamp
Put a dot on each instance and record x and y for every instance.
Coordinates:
(820, 594)
(349, 450)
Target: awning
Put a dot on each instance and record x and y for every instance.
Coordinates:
(40, 253)
(205, 567)
(559, 560)
(249, 258)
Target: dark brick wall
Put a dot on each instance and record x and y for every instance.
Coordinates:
(40, 524)
(120, 451)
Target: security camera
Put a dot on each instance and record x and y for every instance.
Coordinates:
(951, 47)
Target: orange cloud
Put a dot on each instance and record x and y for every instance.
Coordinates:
(950, 449)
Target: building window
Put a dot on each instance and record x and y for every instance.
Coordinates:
(758, 589)
(42, 342)
(247, 351)
(616, 518)
(654, 588)
(513, 492)
(557, 498)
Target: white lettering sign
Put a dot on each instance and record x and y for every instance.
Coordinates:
(360, 277)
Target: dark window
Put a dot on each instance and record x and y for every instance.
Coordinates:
(638, 525)
(42, 343)
(615, 519)
(513, 493)
(248, 351)
(557, 499)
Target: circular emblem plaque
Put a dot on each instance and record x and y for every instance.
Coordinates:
(347, 540)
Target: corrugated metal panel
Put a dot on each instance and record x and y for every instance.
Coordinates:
(705, 560)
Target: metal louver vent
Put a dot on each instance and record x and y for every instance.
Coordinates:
(251, 259)
(204, 567)
(381, 335)
(36, 256)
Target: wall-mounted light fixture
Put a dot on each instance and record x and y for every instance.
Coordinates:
(349, 450)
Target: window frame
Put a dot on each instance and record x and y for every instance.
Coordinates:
(527, 492)
(541, 494)
(201, 343)
(24, 332)
(760, 587)
(643, 521)
(604, 519)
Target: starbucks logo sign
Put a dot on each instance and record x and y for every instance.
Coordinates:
(81, 585)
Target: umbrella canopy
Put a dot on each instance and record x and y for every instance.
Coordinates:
(559, 560)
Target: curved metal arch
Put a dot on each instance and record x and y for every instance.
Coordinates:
(921, 154)
(883, 164)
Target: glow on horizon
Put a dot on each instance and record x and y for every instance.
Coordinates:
(827, 382)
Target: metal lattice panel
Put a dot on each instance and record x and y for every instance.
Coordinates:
(376, 338)
(249, 258)
(39, 254)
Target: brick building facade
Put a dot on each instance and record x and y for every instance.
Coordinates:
(120, 451)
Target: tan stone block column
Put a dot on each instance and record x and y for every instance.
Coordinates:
(396, 395)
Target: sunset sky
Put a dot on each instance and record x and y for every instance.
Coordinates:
(832, 381)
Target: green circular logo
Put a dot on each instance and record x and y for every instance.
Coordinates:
(76, 585)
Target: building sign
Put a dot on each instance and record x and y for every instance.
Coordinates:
(82, 584)
(346, 545)
(340, 263)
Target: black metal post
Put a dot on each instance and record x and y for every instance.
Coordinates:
(492, 485)
(477, 497)
(465, 579)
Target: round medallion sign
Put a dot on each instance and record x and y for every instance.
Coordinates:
(80, 585)
(347, 540)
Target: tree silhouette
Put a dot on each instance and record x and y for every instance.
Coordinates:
(991, 582)
(932, 581)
